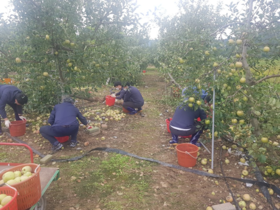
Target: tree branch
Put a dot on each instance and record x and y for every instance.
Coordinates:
(268, 77)
(172, 80)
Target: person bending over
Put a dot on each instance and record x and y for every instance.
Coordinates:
(63, 123)
(14, 97)
(184, 123)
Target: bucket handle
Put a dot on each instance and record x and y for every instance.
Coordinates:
(36, 168)
(12, 188)
(190, 155)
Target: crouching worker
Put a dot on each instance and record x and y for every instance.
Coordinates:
(63, 123)
(12, 96)
(132, 99)
(184, 123)
(121, 93)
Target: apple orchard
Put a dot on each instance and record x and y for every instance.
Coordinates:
(56, 47)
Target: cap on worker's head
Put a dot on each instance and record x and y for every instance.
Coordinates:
(207, 99)
(21, 98)
(68, 100)
(117, 84)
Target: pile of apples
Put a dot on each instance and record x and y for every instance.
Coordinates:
(4, 199)
(15, 177)
(114, 114)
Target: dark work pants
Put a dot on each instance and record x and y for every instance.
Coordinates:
(50, 132)
(132, 105)
(195, 130)
(16, 116)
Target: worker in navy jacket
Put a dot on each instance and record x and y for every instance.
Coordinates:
(63, 123)
(14, 97)
(184, 123)
(132, 99)
(120, 94)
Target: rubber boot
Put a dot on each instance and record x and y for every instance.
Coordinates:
(131, 110)
(174, 139)
(195, 137)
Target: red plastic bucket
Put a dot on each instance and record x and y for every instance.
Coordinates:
(18, 128)
(144, 71)
(186, 154)
(110, 101)
(167, 125)
(62, 139)
(11, 192)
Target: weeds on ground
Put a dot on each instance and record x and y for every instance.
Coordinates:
(103, 179)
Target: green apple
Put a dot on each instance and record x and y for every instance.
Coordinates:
(17, 174)
(245, 172)
(238, 41)
(26, 169)
(234, 121)
(191, 99)
(46, 74)
(204, 161)
(207, 122)
(215, 64)
(102, 138)
(6, 200)
(8, 176)
(243, 80)
(238, 64)
(23, 178)
(12, 182)
(231, 41)
(28, 173)
(227, 161)
(266, 49)
(240, 113)
(18, 179)
(67, 41)
(47, 37)
(2, 196)
(18, 60)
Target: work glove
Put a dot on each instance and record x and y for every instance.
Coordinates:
(89, 127)
(7, 123)
(113, 95)
(22, 118)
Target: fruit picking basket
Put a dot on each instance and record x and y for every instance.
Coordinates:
(12, 205)
(29, 190)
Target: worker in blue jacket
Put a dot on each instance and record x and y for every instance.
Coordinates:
(184, 123)
(120, 94)
(63, 123)
(14, 97)
(132, 99)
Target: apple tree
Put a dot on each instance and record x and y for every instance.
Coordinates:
(62, 47)
(237, 54)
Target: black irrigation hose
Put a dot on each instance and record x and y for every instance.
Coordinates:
(222, 170)
(198, 172)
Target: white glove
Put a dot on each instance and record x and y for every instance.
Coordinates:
(22, 118)
(7, 123)
(113, 95)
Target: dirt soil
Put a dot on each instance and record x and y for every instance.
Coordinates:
(147, 136)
